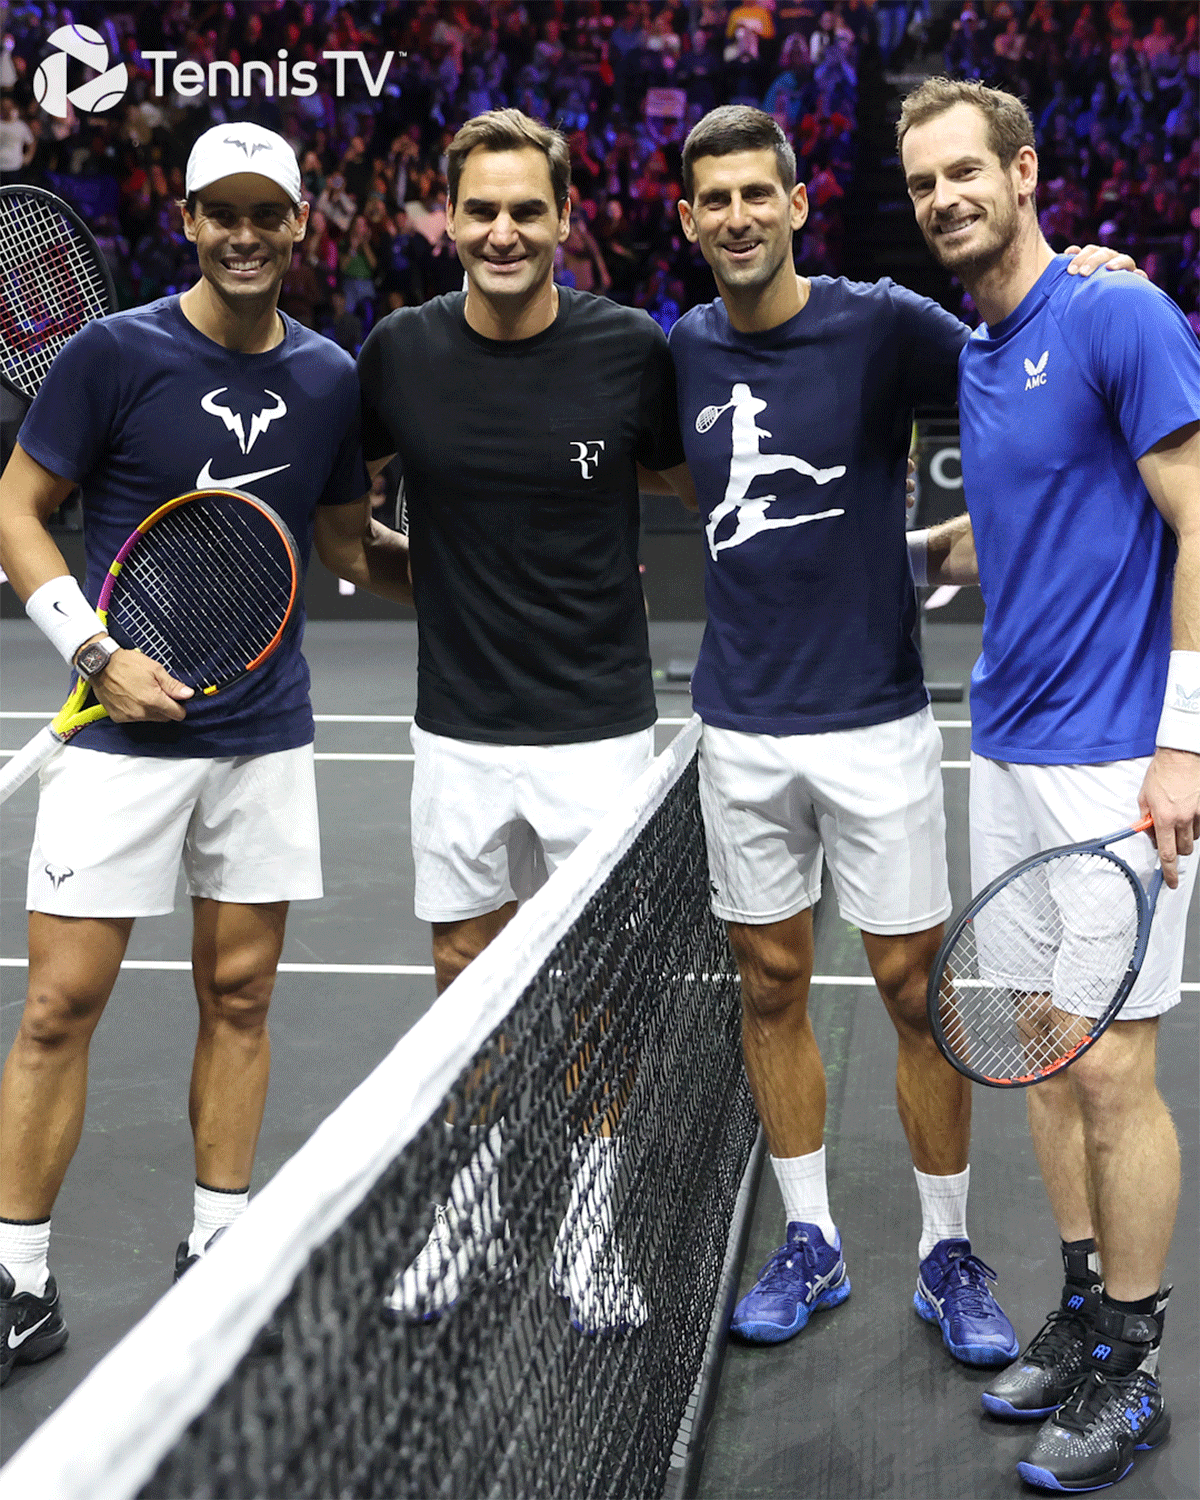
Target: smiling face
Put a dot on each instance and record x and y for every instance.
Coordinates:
(968, 206)
(505, 224)
(244, 228)
(742, 218)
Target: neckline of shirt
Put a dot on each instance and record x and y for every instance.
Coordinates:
(458, 308)
(181, 320)
(1029, 305)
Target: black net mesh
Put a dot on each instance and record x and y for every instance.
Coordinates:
(520, 1305)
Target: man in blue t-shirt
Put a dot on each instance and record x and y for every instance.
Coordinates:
(796, 398)
(214, 388)
(1079, 404)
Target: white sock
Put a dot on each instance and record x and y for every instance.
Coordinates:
(943, 1208)
(24, 1248)
(214, 1208)
(805, 1192)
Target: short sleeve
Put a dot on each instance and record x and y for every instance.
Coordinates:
(660, 444)
(348, 479)
(376, 436)
(1144, 358)
(930, 342)
(69, 425)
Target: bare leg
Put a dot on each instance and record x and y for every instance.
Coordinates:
(73, 965)
(1056, 1126)
(235, 952)
(455, 944)
(1132, 1157)
(933, 1099)
(783, 1064)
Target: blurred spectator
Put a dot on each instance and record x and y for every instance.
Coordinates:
(17, 141)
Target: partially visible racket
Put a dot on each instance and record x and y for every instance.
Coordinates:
(53, 280)
(207, 586)
(1040, 963)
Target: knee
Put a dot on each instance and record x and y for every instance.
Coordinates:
(55, 1019)
(773, 984)
(1111, 1081)
(236, 994)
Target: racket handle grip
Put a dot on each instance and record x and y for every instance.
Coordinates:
(28, 760)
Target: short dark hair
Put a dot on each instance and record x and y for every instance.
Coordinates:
(738, 127)
(510, 130)
(1009, 126)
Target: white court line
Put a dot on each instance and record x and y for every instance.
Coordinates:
(182, 965)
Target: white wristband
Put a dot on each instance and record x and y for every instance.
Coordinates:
(1179, 727)
(64, 616)
(918, 556)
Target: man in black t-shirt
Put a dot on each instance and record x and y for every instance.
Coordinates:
(521, 413)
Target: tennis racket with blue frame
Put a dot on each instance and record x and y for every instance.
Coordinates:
(1040, 963)
(207, 586)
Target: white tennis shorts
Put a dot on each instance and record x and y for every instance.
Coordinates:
(1019, 810)
(111, 831)
(490, 823)
(870, 798)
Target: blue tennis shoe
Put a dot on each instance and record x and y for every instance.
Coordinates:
(804, 1276)
(952, 1291)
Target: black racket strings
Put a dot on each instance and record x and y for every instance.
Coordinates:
(205, 591)
(49, 287)
(1040, 965)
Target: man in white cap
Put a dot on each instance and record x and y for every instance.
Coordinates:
(212, 388)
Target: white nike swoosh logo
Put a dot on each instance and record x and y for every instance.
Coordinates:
(15, 1343)
(206, 481)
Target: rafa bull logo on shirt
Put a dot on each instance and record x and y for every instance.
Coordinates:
(746, 463)
(259, 422)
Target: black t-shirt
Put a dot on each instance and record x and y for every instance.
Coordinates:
(519, 471)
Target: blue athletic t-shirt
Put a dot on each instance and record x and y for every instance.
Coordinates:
(1057, 403)
(797, 439)
(140, 407)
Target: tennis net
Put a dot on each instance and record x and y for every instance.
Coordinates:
(499, 1267)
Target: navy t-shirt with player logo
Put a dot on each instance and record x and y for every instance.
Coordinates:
(521, 481)
(140, 407)
(797, 439)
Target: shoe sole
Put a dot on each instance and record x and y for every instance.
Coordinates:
(981, 1356)
(774, 1333)
(1036, 1475)
(996, 1406)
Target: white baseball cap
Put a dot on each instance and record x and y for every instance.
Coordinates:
(227, 149)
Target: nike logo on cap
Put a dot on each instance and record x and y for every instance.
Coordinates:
(205, 480)
(19, 1339)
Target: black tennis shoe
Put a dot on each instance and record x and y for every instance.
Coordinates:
(1117, 1410)
(1050, 1369)
(31, 1327)
(269, 1338)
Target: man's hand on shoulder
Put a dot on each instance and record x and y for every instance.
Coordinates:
(1093, 257)
(1171, 795)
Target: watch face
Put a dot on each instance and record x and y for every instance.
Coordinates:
(92, 660)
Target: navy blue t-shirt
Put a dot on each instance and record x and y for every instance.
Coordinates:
(797, 439)
(140, 407)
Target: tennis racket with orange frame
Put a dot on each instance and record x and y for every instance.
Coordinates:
(207, 586)
(1041, 962)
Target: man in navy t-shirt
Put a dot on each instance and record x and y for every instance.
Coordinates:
(796, 398)
(1079, 404)
(214, 388)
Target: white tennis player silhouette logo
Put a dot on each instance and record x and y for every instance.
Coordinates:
(746, 463)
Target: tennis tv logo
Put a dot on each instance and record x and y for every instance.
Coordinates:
(95, 96)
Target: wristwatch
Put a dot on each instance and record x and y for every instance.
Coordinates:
(93, 659)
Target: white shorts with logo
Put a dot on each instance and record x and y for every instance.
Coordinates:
(111, 831)
(869, 799)
(1018, 810)
(490, 823)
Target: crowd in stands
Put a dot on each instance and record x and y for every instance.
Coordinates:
(1113, 86)
(1113, 89)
